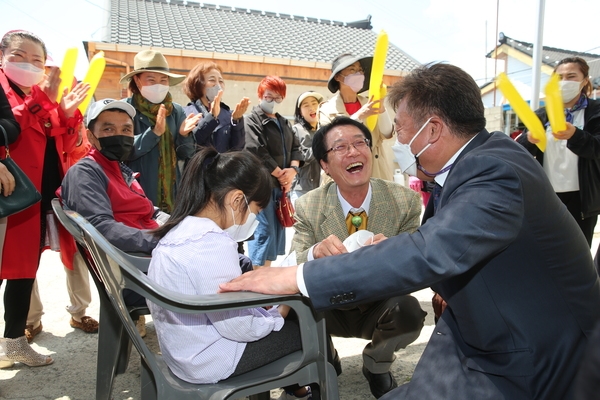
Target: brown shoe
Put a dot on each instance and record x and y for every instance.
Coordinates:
(87, 324)
(30, 332)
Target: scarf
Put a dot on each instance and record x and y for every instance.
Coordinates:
(581, 104)
(167, 158)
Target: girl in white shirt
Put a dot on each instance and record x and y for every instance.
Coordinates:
(216, 207)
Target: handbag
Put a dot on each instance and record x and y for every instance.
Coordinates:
(25, 194)
(285, 210)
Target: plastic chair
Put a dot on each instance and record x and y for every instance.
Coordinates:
(112, 359)
(158, 382)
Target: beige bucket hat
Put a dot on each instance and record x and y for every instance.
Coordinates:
(152, 61)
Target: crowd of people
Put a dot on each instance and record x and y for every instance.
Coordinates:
(504, 241)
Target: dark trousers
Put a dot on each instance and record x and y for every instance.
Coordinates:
(270, 348)
(573, 202)
(390, 324)
(17, 297)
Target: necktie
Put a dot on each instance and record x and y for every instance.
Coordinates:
(437, 189)
(356, 221)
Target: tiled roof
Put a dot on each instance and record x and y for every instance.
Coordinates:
(187, 25)
(551, 55)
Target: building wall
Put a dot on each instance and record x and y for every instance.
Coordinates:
(241, 74)
(494, 119)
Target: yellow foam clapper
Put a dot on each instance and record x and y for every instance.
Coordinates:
(92, 77)
(521, 108)
(379, 57)
(554, 105)
(67, 71)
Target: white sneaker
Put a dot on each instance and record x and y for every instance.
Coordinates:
(287, 396)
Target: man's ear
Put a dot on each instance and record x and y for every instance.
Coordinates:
(92, 139)
(435, 129)
(324, 166)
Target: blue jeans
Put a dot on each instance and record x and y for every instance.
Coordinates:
(269, 236)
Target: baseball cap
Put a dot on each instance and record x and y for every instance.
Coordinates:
(108, 104)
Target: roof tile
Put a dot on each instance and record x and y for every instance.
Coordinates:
(209, 27)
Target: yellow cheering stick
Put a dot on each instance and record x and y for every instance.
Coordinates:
(67, 71)
(521, 108)
(92, 77)
(381, 48)
(554, 105)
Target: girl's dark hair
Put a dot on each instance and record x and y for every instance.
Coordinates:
(209, 176)
(10, 35)
(585, 70)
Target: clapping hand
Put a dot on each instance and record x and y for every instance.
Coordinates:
(240, 108)
(189, 124)
(70, 101)
(215, 105)
(161, 120)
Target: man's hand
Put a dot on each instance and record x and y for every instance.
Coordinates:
(439, 305)
(330, 246)
(281, 280)
(380, 237)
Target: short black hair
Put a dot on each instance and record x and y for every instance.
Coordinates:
(318, 144)
(444, 90)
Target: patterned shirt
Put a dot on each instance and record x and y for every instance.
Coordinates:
(193, 259)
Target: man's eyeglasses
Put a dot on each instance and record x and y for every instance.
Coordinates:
(343, 149)
(269, 99)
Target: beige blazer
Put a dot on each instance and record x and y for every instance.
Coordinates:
(393, 209)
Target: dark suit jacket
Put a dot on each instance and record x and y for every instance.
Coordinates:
(513, 266)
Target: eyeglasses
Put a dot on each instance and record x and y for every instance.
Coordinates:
(269, 99)
(343, 149)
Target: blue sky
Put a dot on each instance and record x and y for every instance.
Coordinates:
(456, 31)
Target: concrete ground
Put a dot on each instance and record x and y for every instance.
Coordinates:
(72, 376)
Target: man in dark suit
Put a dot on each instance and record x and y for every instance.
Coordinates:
(501, 249)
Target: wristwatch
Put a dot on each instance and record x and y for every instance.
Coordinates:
(297, 169)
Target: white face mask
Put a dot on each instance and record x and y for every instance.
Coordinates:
(23, 74)
(404, 156)
(154, 93)
(267, 107)
(212, 92)
(239, 233)
(355, 81)
(569, 90)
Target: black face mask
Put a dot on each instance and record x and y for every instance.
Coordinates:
(116, 148)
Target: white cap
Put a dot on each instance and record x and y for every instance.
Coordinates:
(108, 104)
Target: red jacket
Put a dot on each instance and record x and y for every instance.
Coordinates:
(21, 253)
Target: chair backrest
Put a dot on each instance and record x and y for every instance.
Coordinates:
(69, 225)
(118, 273)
